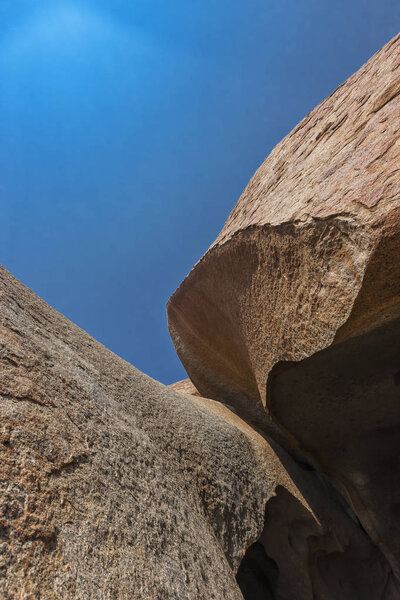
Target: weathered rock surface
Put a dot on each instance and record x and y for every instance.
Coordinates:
(293, 315)
(115, 486)
(112, 484)
(185, 386)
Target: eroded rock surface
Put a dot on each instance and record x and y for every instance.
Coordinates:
(112, 484)
(292, 316)
(115, 486)
(185, 387)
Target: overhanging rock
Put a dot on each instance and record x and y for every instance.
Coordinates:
(292, 315)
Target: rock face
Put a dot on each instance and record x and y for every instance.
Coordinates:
(272, 474)
(185, 387)
(113, 485)
(293, 317)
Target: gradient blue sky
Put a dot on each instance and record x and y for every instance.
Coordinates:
(128, 129)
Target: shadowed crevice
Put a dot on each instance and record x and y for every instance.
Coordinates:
(341, 406)
(258, 574)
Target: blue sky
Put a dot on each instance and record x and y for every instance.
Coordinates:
(129, 128)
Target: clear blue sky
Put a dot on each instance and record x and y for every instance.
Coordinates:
(129, 128)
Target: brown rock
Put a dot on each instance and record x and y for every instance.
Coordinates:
(115, 486)
(293, 314)
(185, 387)
(112, 484)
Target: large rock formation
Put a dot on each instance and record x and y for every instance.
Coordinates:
(293, 315)
(113, 485)
(272, 473)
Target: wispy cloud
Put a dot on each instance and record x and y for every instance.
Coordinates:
(68, 28)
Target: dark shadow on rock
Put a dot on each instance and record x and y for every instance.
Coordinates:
(258, 574)
(341, 408)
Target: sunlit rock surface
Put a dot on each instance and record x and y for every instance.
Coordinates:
(293, 318)
(185, 387)
(272, 474)
(112, 484)
(116, 486)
